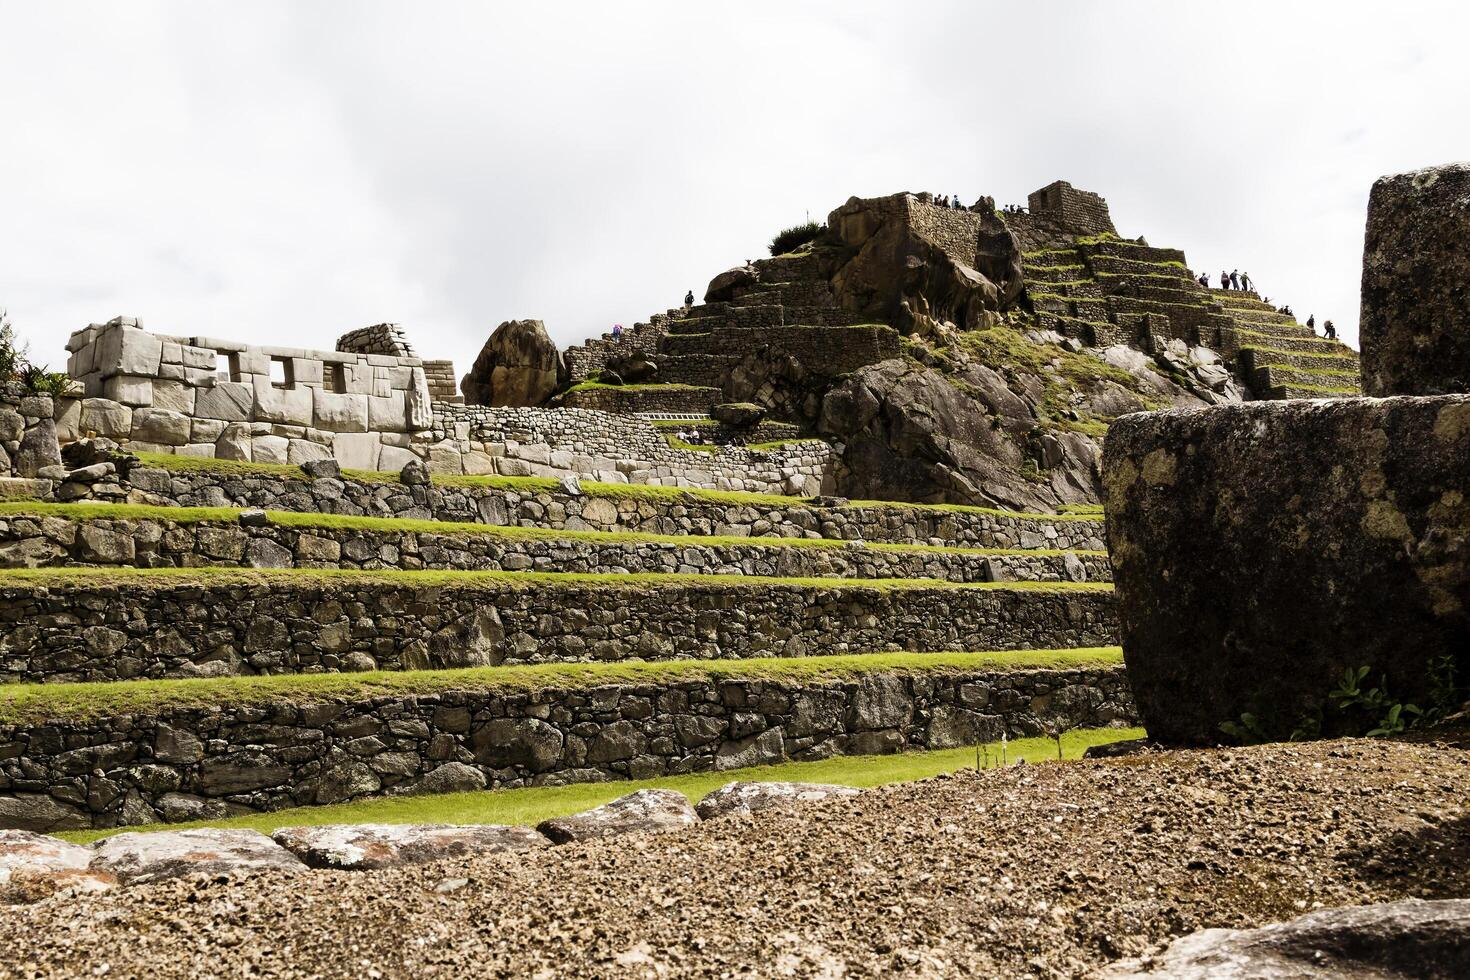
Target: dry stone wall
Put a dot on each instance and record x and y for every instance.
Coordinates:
(39, 542)
(192, 763)
(563, 509)
(28, 440)
(89, 630)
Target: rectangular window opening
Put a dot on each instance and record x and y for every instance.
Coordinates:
(227, 366)
(337, 378)
(281, 373)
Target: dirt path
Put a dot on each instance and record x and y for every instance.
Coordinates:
(1051, 870)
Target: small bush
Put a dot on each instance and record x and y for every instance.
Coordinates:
(790, 239)
(16, 366)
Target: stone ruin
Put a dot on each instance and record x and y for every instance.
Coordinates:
(1263, 550)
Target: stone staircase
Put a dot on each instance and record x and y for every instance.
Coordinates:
(1106, 291)
(524, 633)
(790, 306)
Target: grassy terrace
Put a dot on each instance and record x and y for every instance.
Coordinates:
(309, 521)
(170, 577)
(538, 484)
(1339, 352)
(30, 704)
(600, 386)
(1300, 340)
(527, 807)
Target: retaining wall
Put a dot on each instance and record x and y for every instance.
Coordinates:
(75, 629)
(563, 510)
(188, 763)
(37, 542)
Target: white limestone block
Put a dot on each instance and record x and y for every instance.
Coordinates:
(129, 390)
(82, 338)
(106, 417)
(233, 443)
(159, 425)
(173, 372)
(299, 451)
(419, 402)
(174, 396)
(478, 464)
(173, 352)
(202, 358)
(306, 370)
(253, 362)
(202, 450)
(67, 413)
(356, 450)
(289, 405)
(207, 430)
(387, 413)
(339, 413)
(391, 459)
(270, 449)
(227, 400)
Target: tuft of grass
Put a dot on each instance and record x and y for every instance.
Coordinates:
(230, 467)
(788, 240)
(528, 807)
(30, 704)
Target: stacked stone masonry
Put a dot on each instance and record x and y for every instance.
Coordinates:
(188, 763)
(84, 629)
(561, 509)
(28, 541)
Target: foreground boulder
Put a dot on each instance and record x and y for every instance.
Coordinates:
(361, 847)
(518, 366)
(1260, 551)
(640, 812)
(743, 797)
(1415, 321)
(1409, 939)
(35, 866)
(142, 858)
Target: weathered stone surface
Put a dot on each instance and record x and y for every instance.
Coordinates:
(161, 425)
(738, 414)
(360, 847)
(748, 797)
(722, 287)
(1415, 321)
(32, 811)
(1409, 939)
(140, 859)
(38, 449)
(641, 812)
(35, 866)
(1261, 550)
(519, 365)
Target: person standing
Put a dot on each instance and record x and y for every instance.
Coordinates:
(1235, 279)
(617, 331)
(1245, 281)
(689, 299)
(1224, 279)
(1312, 323)
(1329, 330)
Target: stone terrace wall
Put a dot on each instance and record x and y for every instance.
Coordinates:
(201, 396)
(28, 430)
(586, 361)
(79, 630)
(612, 448)
(186, 764)
(563, 510)
(36, 542)
(1082, 212)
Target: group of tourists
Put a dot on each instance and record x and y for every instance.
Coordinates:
(1328, 330)
(691, 437)
(945, 201)
(1234, 279)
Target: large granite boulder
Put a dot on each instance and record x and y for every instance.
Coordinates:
(640, 812)
(1409, 939)
(362, 847)
(142, 858)
(1415, 321)
(753, 797)
(1261, 550)
(518, 366)
(722, 287)
(36, 866)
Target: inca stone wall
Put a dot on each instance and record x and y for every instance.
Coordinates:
(81, 629)
(1082, 212)
(201, 396)
(380, 338)
(28, 430)
(188, 763)
(563, 510)
(1415, 322)
(28, 541)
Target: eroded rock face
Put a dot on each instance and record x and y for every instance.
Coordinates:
(35, 866)
(1415, 322)
(1261, 550)
(1422, 940)
(360, 847)
(641, 812)
(722, 287)
(746, 797)
(139, 859)
(518, 366)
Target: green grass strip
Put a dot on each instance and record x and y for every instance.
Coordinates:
(215, 575)
(1323, 390)
(1342, 354)
(1299, 340)
(545, 484)
(23, 704)
(528, 807)
(400, 525)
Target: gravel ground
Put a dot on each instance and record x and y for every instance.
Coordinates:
(1050, 870)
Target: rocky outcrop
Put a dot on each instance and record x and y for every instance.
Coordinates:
(1262, 550)
(1415, 322)
(35, 866)
(1408, 939)
(641, 812)
(141, 859)
(747, 797)
(723, 286)
(365, 847)
(518, 366)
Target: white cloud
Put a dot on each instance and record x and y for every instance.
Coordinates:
(284, 172)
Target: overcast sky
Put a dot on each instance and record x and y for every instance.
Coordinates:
(284, 172)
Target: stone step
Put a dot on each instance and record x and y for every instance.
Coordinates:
(1037, 274)
(1345, 359)
(1300, 341)
(158, 753)
(117, 624)
(1264, 378)
(548, 503)
(1101, 264)
(1130, 250)
(101, 535)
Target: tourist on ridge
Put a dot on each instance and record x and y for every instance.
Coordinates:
(1235, 279)
(1224, 279)
(956, 201)
(1245, 281)
(688, 299)
(617, 331)
(1312, 322)
(1329, 330)
(1204, 279)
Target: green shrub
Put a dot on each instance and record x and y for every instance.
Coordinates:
(790, 239)
(16, 366)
